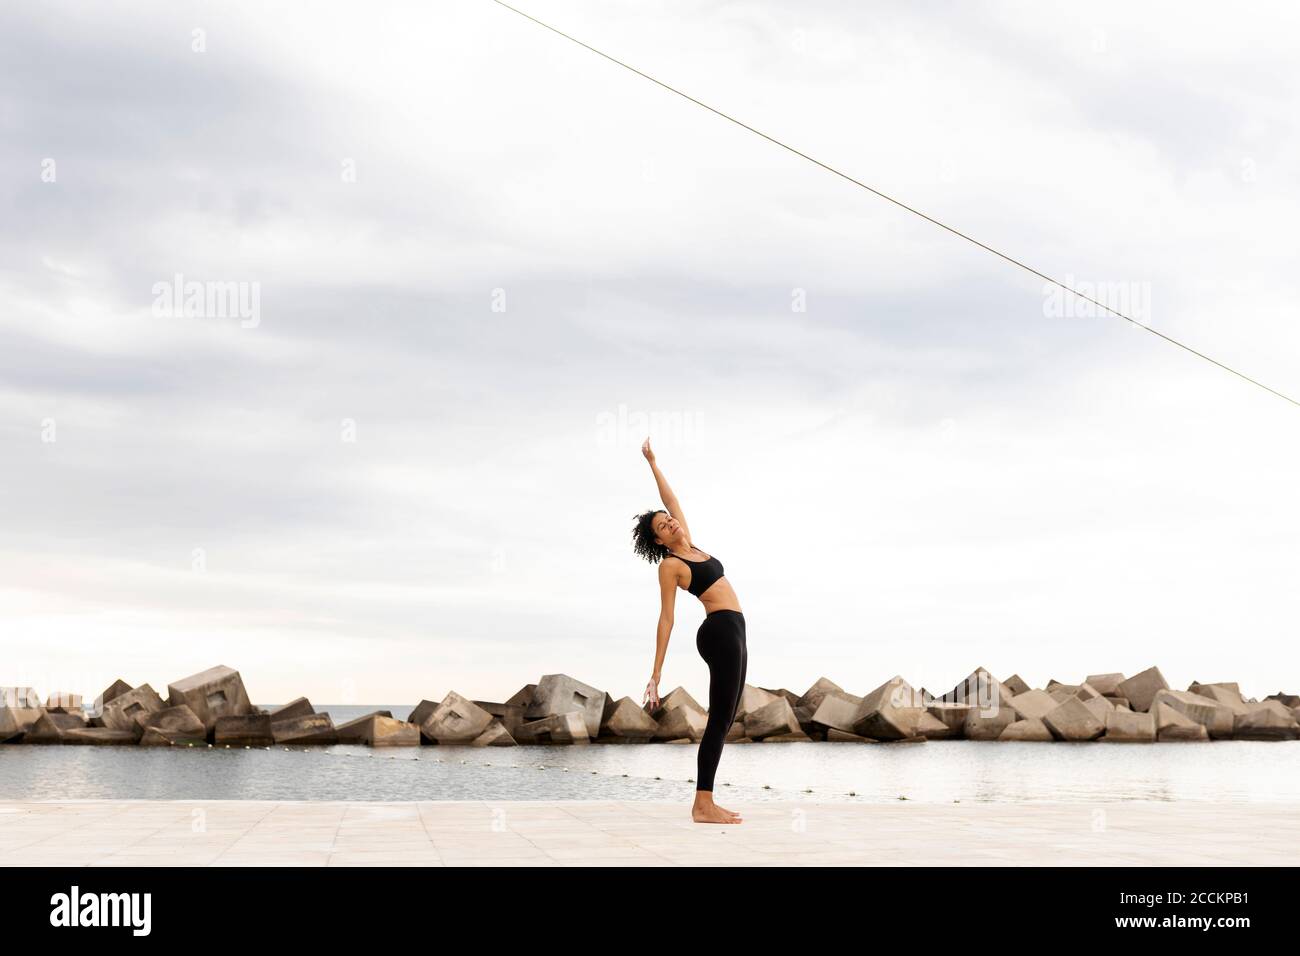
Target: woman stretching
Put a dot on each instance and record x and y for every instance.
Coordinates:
(662, 537)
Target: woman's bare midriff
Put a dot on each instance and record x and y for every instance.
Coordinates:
(720, 597)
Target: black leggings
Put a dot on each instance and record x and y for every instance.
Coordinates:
(721, 642)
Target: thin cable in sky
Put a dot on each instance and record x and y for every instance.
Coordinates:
(903, 205)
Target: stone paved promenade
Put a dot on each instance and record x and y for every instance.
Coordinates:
(565, 833)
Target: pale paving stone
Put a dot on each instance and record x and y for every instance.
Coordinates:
(619, 861)
(488, 843)
(601, 853)
(348, 838)
(91, 839)
(385, 857)
(336, 861)
(577, 838)
(481, 833)
(51, 858)
(459, 851)
(170, 860)
(274, 861)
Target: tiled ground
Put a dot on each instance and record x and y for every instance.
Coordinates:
(564, 833)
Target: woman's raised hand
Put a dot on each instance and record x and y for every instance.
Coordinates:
(651, 694)
(645, 450)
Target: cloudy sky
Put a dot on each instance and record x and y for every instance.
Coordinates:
(486, 262)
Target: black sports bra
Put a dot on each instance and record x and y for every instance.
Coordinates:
(703, 573)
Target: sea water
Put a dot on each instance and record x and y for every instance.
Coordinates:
(931, 772)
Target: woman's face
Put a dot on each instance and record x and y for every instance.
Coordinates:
(666, 528)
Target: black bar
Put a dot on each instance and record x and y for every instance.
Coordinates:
(334, 905)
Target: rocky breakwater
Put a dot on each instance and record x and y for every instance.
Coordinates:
(212, 708)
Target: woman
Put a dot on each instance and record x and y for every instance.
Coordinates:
(663, 538)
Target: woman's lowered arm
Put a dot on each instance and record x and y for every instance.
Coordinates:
(667, 602)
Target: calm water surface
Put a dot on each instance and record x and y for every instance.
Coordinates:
(933, 772)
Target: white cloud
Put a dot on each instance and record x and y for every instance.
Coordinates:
(921, 473)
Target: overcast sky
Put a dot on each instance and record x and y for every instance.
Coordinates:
(485, 259)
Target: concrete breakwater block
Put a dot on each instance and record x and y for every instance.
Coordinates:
(1061, 692)
(457, 720)
(1015, 684)
(836, 711)
(1127, 726)
(1140, 690)
(1171, 725)
(803, 716)
(49, 728)
(511, 716)
(1266, 723)
(981, 690)
(1269, 719)
(128, 711)
(558, 694)
(982, 724)
(379, 729)
(1099, 707)
(1072, 720)
(20, 708)
(100, 737)
(211, 694)
(1222, 691)
(496, 735)
(1216, 718)
(20, 698)
(789, 695)
(932, 728)
(774, 719)
(16, 721)
(683, 721)
(245, 730)
(568, 728)
(94, 713)
(1030, 728)
(782, 739)
(988, 723)
(304, 729)
(677, 697)
(951, 715)
(1106, 684)
(424, 710)
(756, 698)
(628, 721)
(173, 725)
(1087, 692)
(522, 697)
(298, 707)
(63, 702)
(815, 694)
(1033, 704)
(889, 712)
(838, 736)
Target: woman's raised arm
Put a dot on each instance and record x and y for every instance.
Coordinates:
(665, 493)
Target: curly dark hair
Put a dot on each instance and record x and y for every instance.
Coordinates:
(643, 537)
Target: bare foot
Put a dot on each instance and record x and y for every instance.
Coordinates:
(729, 813)
(714, 814)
